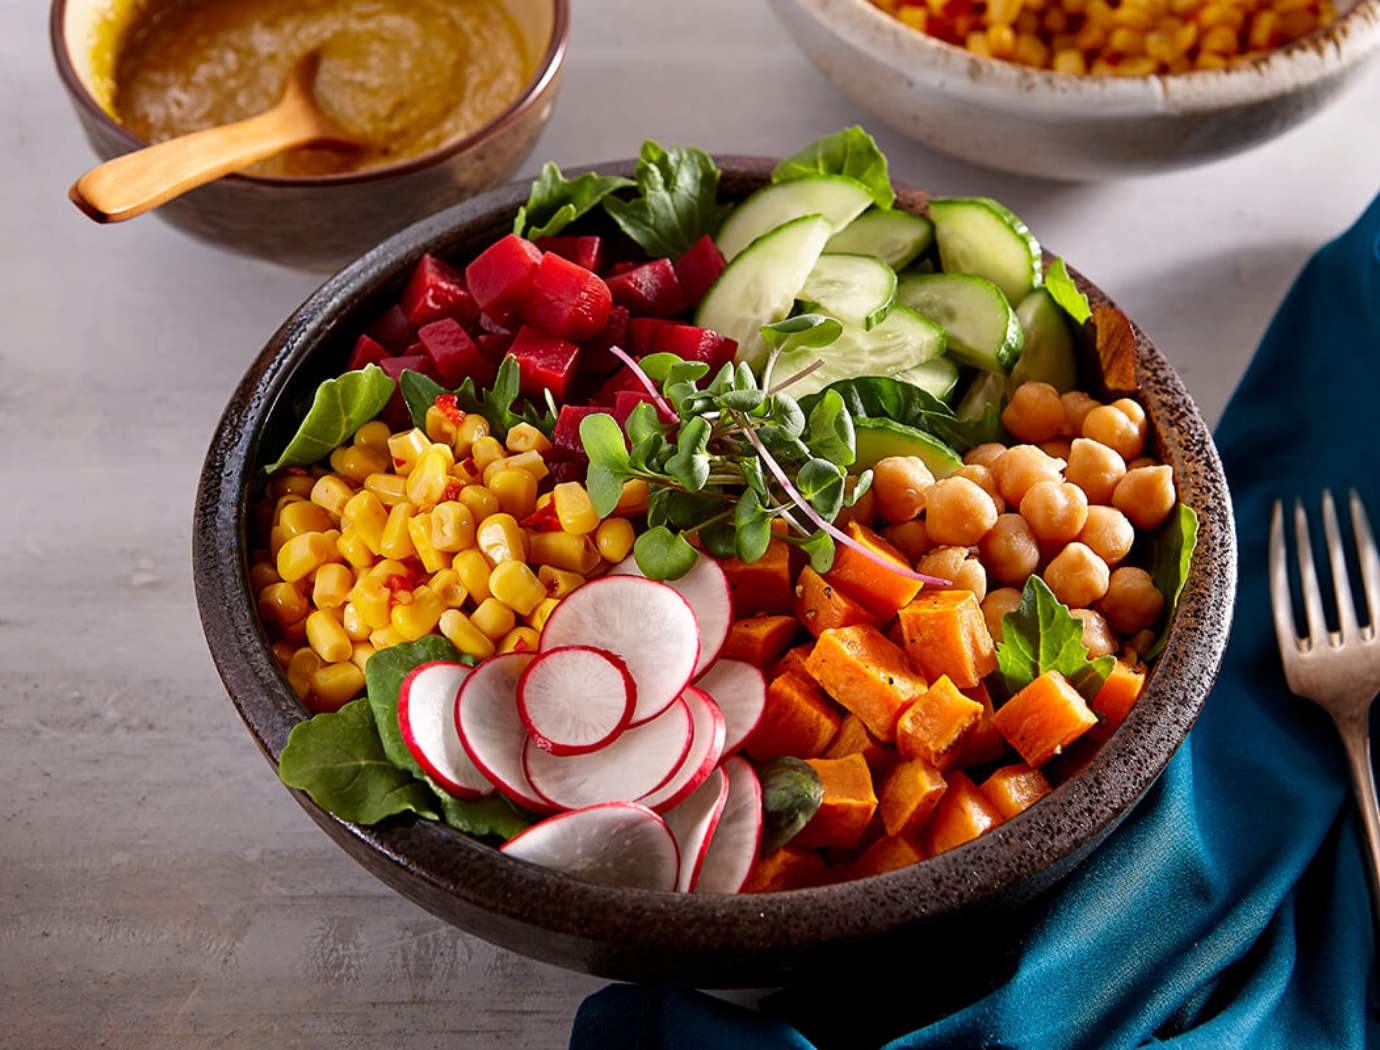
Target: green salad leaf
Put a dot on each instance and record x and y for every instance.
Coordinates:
(829, 429)
(791, 795)
(498, 402)
(554, 201)
(852, 152)
(491, 815)
(881, 397)
(383, 677)
(1172, 545)
(340, 407)
(1042, 635)
(676, 202)
(609, 463)
(663, 555)
(801, 332)
(1064, 292)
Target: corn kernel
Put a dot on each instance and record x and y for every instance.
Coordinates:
(574, 509)
(385, 638)
(1001, 39)
(1133, 16)
(300, 668)
(419, 616)
(373, 435)
(516, 586)
(471, 429)
(493, 618)
(335, 684)
(480, 500)
(524, 437)
(1263, 29)
(438, 425)
(500, 538)
(301, 555)
(562, 550)
(371, 599)
(359, 656)
(406, 448)
(452, 527)
(447, 586)
(389, 567)
(1206, 60)
(1092, 37)
(390, 489)
(283, 603)
(464, 635)
(633, 500)
(1075, 7)
(515, 489)
(976, 42)
(1030, 50)
(295, 484)
(331, 585)
(528, 461)
(520, 640)
(327, 637)
(426, 484)
(1221, 14)
(366, 515)
(614, 539)
(1003, 11)
(419, 530)
(1070, 61)
(357, 462)
(473, 570)
(331, 493)
(282, 653)
(467, 472)
(300, 516)
(261, 574)
(1219, 40)
(1140, 66)
(353, 622)
(486, 450)
(354, 550)
(536, 619)
(1296, 24)
(292, 632)
(558, 582)
(397, 538)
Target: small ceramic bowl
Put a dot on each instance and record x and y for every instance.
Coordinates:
(705, 940)
(319, 223)
(1035, 122)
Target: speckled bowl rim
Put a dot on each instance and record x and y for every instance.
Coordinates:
(548, 68)
(1062, 826)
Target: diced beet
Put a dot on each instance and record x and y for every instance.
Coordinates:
(567, 470)
(567, 300)
(393, 331)
(642, 334)
(546, 362)
(367, 351)
(437, 290)
(698, 268)
(565, 438)
(489, 325)
(395, 413)
(582, 251)
(596, 356)
(624, 401)
(501, 276)
(453, 352)
(649, 290)
(494, 345)
(623, 267)
(623, 379)
(694, 344)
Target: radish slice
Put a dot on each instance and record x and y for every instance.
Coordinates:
(706, 746)
(491, 732)
(733, 848)
(636, 764)
(646, 623)
(575, 699)
(740, 690)
(613, 843)
(705, 587)
(426, 718)
(693, 823)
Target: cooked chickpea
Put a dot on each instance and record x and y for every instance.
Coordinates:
(900, 484)
(1146, 495)
(1077, 576)
(984, 455)
(1142, 461)
(1055, 510)
(944, 562)
(1009, 550)
(1095, 468)
(864, 512)
(1077, 405)
(1132, 602)
(1097, 636)
(1035, 413)
(1018, 468)
(971, 576)
(1108, 533)
(1138, 645)
(995, 607)
(958, 511)
(982, 477)
(1057, 447)
(1115, 429)
(909, 537)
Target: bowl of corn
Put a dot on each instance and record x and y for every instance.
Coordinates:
(1087, 89)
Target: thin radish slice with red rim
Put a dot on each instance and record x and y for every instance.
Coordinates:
(426, 719)
(706, 588)
(575, 699)
(693, 823)
(638, 762)
(733, 847)
(613, 844)
(646, 623)
(491, 732)
(706, 746)
(740, 690)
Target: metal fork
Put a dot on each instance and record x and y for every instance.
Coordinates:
(1338, 670)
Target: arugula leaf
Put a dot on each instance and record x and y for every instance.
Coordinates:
(852, 152)
(340, 407)
(829, 430)
(338, 759)
(791, 795)
(383, 677)
(882, 397)
(677, 201)
(801, 332)
(554, 201)
(493, 815)
(1042, 635)
(1173, 544)
(1061, 287)
(664, 555)
(495, 403)
(609, 465)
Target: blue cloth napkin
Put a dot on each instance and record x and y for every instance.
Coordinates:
(1231, 909)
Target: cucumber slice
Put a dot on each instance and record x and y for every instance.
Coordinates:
(857, 289)
(895, 237)
(977, 235)
(838, 199)
(876, 439)
(983, 329)
(987, 388)
(760, 285)
(905, 346)
(1047, 356)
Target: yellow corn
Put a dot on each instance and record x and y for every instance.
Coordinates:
(298, 485)
(500, 538)
(528, 461)
(366, 514)
(614, 539)
(471, 429)
(420, 615)
(447, 586)
(1206, 60)
(1296, 24)
(452, 527)
(524, 437)
(282, 652)
(388, 567)
(473, 570)
(359, 656)
(976, 42)
(516, 586)
(301, 516)
(464, 635)
(574, 509)
(301, 555)
(389, 488)
(419, 530)
(397, 538)
(438, 426)
(515, 489)
(426, 484)
(357, 462)
(406, 448)
(331, 585)
(1069, 61)
(520, 640)
(1221, 14)
(300, 668)
(354, 550)
(1263, 27)
(1140, 66)
(486, 450)
(373, 435)
(327, 637)
(536, 619)
(1219, 40)
(334, 684)
(467, 472)
(353, 622)
(331, 493)
(1001, 40)
(493, 618)
(1054, 21)
(283, 603)
(1030, 50)
(562, 550)
(633, 501)
(1126, 41)
(385, 638)
(292, 632)
(261, 574)
(480, 500)
(371, 600)
(558, 582)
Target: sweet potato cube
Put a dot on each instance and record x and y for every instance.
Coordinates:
(1014, 789)
(794, 660)
(798, 720)
(791, 867)
(886, 854)
(865, 673)
(762, 586)
(984, 743)
(910, 794)
(1119, 693)
(761, 639)
(875, 587)
(936, 725)
(854, 738)
(1044, 718)
(962, 815)
(946, 635)
(821, 606)
(847, 806)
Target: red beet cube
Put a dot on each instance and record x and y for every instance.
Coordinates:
(582, 251)
(546, 362)
(698, 268)
(596, 356)
(367, 351)
(501, 276)
(567, 300)
(565, 438)
(649, 290)
(623, 266)
(437, 290)
(454, 354)
(623, 379)
(395, 412)
(393, 331)
(695, 344)
(624, 401)
(494, 345)
(568, 470)
(642, 334)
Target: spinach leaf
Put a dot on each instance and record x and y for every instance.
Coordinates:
(676, 202)
(609, 465)
(383, 676)
(495, 403)
(338, 759)
(881, 397)
(791, 794)
(554, 201)
(852, 152)
(663, 555)
(802, 332)
(1060, 285)
(1041, 635)
(493, 815)
(1172, 544)
(340, 407)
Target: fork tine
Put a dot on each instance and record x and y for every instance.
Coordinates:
(1341, 582)
(1308, 579)
(1285, 631)
(1368, 558)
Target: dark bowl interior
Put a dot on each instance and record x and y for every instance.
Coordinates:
(710, 940)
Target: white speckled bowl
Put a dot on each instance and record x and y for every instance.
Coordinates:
(1006, 116)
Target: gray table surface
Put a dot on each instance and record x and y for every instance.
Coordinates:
(157, 887)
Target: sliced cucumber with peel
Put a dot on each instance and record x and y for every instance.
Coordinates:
(876, 439)
(839, 199)
(1047, 355)
(857, 289)
(895, 237)
(983, 329)
(977, 235)
(905, 346)
(987, 388)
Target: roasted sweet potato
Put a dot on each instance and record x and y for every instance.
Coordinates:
(937, 724)
(963, 814)
(847, 806)
(853, 738)
(1119, 693)
(946, 635)
(875, 587)
(794, 660)
(762, 586)
(797, 720)
(985, 743)
(791, 867)
(1044, 718)
(761, 639)
(868, 675)
(1014, 789)
(820, 606)
(886, 854)
(910, 794)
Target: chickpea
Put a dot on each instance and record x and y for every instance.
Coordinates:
(1132, 602)
(984, 455)
(1146, 495)
(971, 576)
(995, 607)
(1095, 469)
(1097, 636)
(958, 511)
(1035, 413)
(1115, 429)
(1143, 461)
(1138, 645)
(1077, 405)
(1009, 550)
(1055, 510)
(1133, 411)
(1022, 466)
(1108, 533)
(909, 537)
(1059, 448)
(983, 478)
(900, 483)
(1077, 576)
(944, 562)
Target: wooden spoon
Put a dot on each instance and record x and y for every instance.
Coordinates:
(137, 182)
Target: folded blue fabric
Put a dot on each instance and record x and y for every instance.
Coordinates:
(1231, 909)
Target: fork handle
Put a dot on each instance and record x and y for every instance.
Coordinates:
(1355, 733)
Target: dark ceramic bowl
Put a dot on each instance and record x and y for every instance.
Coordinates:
(320, 223)
(710, 941)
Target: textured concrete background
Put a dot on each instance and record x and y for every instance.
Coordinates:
(157, 887)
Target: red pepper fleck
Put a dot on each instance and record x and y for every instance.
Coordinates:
(520, 645)
(397, 582)
(399, 462)
(450, 408)
(470, 466)
(543, 519)
(452, 491)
